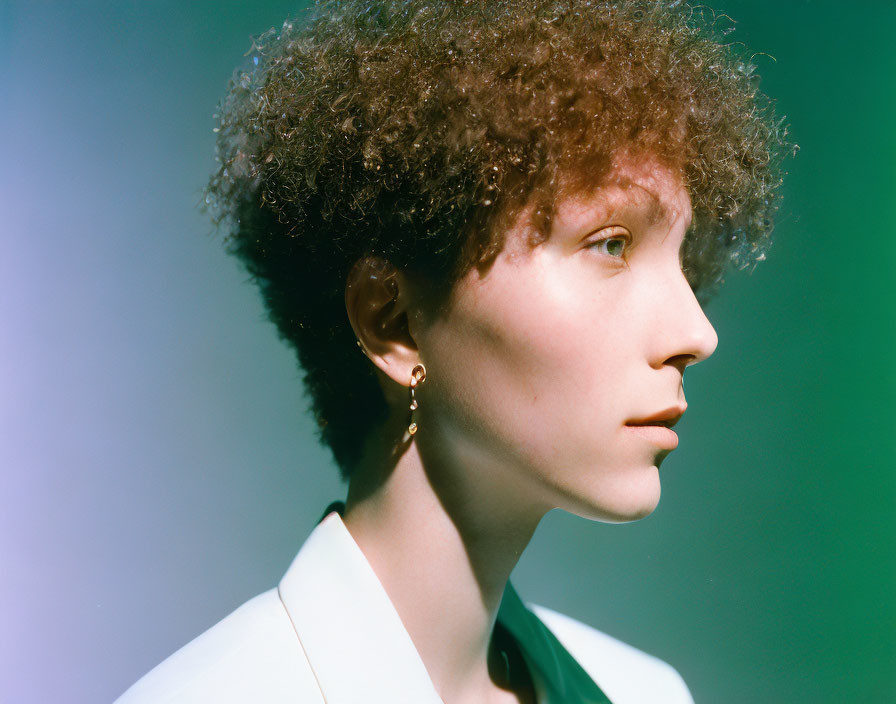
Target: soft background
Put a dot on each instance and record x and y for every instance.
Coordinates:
(158, 467)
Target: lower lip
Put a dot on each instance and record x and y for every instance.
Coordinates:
(659, 435)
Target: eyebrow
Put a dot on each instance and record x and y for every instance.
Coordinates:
(658, 211)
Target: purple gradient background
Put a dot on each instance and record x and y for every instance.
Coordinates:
(153, 428)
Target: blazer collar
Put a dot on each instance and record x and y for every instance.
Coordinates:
(356, 643)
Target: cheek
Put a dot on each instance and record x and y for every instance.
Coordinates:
(528, 364)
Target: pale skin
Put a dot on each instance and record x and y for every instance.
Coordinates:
(538, 371)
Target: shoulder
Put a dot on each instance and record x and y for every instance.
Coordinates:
(626, 674)
(253, 654)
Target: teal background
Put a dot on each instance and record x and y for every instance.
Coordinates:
(158, 463)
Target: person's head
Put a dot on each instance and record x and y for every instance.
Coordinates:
(439, 179)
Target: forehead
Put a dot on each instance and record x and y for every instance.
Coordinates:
(643, 188)
(640, 191)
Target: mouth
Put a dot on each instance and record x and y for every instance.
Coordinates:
(665, 418)
(657, 428)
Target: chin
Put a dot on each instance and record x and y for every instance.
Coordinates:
(630, 500)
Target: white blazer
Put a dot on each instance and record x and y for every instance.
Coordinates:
(328, 634)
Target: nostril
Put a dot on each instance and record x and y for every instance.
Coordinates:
(680, 361)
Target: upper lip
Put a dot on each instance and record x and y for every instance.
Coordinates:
(668, 417)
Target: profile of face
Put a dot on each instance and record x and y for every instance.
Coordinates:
(542, 372)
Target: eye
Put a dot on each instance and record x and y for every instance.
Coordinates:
(615, 245)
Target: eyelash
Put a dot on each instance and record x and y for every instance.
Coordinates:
(626, 240)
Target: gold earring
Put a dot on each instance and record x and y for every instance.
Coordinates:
(418, 376)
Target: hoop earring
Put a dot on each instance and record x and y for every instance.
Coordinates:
(418, 376)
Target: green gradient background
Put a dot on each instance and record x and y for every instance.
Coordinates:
(159, 467)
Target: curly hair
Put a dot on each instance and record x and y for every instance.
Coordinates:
(414, 130)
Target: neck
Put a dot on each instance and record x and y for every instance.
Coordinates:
(443, 542)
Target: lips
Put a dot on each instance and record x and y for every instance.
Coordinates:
(657, 427)
(666, 417)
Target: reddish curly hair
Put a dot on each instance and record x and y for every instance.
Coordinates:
(415, 130)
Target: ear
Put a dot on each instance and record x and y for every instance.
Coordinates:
(378, 299)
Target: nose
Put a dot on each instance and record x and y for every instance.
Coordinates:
(683, 334)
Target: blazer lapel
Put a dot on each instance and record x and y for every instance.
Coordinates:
(352, 635)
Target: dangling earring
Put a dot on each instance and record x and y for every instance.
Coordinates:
(418, 376)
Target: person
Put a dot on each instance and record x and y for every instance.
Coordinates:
(487, 228)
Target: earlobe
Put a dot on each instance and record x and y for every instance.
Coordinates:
(377, 298)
